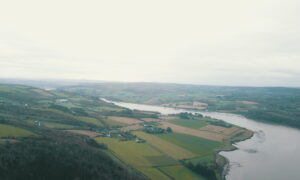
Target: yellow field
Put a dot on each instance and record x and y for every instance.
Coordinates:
(7, 130)
(131, 152)
(165, 146)
(146, 159)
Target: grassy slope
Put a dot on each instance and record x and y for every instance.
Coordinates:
(7, 130)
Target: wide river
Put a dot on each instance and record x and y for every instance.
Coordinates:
(273, 153)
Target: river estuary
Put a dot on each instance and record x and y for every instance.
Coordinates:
(273, 153)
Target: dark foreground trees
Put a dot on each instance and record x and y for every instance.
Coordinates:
(202, 170)
(58, 156)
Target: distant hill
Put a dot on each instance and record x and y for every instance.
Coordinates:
(271, 104)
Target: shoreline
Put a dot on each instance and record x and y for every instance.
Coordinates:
(226, 166)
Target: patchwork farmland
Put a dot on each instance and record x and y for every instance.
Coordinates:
(164, 148)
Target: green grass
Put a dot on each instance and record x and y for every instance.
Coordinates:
(161, 160)
(52, 125)
(180, 172)
(57, 125)
(131, 152)
(208, 159)
(139, 155)
(91, 120)
(190, 123)
(145, 158)
(112, 123)
(7, 130)
(165, 146)
(154, 173)
(194, 144)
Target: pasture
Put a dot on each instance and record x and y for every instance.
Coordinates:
(190, 123)
(7, 130)
(84, 132)
(144, 158)
(90, 120)
(124, 120)
(154, 173)
(131, 152)
(172, 150)
(180, 172)
(112, 123)
(57, 125)
(196, 145)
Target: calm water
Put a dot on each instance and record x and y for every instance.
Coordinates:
(271, 154)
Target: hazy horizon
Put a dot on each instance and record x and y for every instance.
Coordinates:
(232, 43)
(27, 81)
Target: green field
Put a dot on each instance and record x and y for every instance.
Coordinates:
(112, 123)
(190, 123)
(152, 158)
(154, 173)
(57, 125)
(171, 149)
(207, 159)
(7, 130)
(91, 120)
(180, 172)
(136, 154)
(194, 144)
(147, 159)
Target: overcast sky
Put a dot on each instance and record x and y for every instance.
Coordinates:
(232, 42)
